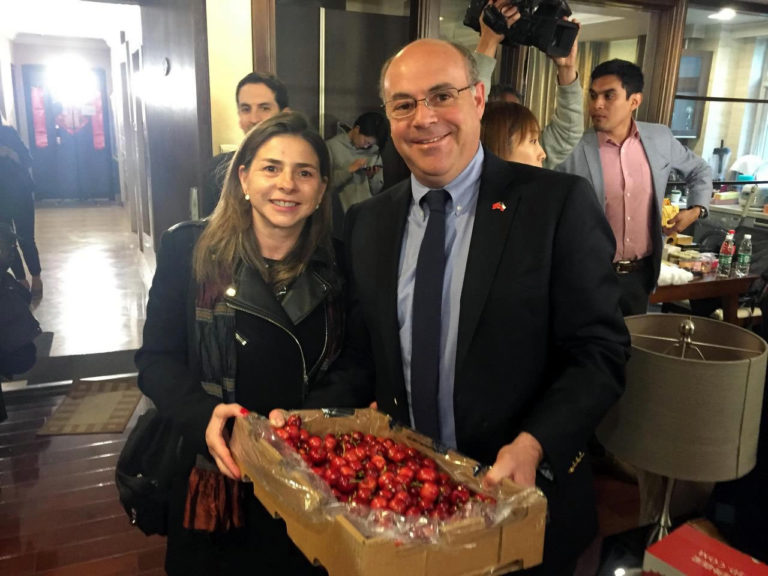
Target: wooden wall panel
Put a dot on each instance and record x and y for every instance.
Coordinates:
(177, 105)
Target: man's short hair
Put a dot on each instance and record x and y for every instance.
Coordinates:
(630, 75)
(270, 81)
(469, 63)
(375, 125)
(497, 92)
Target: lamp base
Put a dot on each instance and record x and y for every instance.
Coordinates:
(662, 527)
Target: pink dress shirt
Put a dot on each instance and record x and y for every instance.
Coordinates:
(628, 194)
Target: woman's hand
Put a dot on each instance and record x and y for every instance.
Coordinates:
(217, 438)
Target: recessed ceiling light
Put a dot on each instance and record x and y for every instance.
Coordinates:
(723, 14)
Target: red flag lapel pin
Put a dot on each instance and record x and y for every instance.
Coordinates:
(500, 206)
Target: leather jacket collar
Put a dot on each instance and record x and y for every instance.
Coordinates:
(250, 293)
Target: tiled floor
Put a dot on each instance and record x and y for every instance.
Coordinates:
(94, 278)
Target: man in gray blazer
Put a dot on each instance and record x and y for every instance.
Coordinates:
(628, 164)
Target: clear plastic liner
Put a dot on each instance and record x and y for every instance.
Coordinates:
(279, 469)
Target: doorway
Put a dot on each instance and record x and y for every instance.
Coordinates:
(69, 128)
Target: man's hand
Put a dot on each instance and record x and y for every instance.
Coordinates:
(489, 40)
(217, 438)
(517, 461)
(358, 164)
(566, 66)
(683, 219)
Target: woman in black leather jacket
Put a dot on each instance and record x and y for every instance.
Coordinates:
(244, 313)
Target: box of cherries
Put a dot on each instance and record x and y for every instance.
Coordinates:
(362, 495)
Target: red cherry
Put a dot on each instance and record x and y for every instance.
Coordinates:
(397, 505)
(379, 461)
(317, 454)
(332, 476)
(429, 463)
(330, 442)
(386, 493)
(429, 492)
(346, 484)
(293, 431)
(379, 503)
(364, 494)
(293, 420)
(426, 475)
(282, 433)
(460, 495)
(369, 483)
(405, 473)
(337, 462)
(347, 471)
(386, 480)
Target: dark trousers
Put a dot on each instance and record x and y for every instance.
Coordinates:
(634, 288)
(19, 210)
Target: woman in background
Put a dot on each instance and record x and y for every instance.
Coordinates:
(244, 315)
(511, 132)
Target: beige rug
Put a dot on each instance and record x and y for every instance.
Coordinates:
(95, 407)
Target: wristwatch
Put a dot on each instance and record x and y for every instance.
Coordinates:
(704, 211)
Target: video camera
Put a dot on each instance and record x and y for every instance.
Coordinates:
(541, 24)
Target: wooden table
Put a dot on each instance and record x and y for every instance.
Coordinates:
(727, 289)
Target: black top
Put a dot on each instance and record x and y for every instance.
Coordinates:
(260, 377)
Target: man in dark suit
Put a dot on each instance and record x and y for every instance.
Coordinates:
(532, 345)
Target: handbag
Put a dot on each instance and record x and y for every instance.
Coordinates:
(145, 469)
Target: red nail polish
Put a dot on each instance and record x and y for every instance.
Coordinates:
(244, 411)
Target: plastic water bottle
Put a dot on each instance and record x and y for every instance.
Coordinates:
(725, 258)
(744, 257)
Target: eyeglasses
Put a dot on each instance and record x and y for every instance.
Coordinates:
(404, 107)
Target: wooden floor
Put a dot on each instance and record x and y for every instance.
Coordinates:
(59, 511)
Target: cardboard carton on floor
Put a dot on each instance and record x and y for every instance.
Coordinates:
(689, 551)
(465, 547)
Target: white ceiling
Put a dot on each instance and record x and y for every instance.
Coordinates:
(71, 18)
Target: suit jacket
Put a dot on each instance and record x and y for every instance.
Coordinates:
(541, 342)
(664, 153)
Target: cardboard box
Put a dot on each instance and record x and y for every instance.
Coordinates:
(689, 551)
(466, 547)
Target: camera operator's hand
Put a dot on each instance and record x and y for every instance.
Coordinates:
(566, 66)
(489, 40)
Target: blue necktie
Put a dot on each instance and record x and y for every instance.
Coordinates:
(427, 309)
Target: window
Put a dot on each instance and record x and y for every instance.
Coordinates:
(721, 103)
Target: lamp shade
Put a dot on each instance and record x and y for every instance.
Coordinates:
(691, 409)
